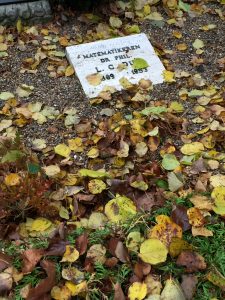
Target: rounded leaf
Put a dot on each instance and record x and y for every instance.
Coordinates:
(153, 251)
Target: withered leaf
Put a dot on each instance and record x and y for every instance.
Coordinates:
(40, 291)
(192, 261)
(179, 216)
(30, 259)
(81, 243)
(189, 283)
(5, 261)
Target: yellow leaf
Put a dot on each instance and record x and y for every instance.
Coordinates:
(94, 79)
(62, 150)
(217, 180)
(93, 152)
(40, 224)
(69, 71)
(178, 245)
(63, 41)
(133, 240)
(120, 209)
(12, 179)
(71, 179)
(218, 195)
(19, 26)
(176, 107)
(96, 186)
(58, 293)
(153, 251)
(76, 145)
(196, 217)
(165, 230)
(141, 185)
(168, 76)
(181, 47)
(92, 173)
(71, 254)
(76, 289)
(192, 148)
(52, 170)
(137, 291)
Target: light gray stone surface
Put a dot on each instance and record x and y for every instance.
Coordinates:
(29, 12)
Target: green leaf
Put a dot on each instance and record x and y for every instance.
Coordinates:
(12, 156)
(170, 162)
(92, 173)
(33, 168)
(139, 63)
(162, 184)
(155, 110)
(184, 6)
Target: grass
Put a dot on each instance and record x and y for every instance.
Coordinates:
(33, 279)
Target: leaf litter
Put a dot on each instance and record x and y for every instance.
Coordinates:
(98, 202)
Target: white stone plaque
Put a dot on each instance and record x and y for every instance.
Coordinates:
(106, 57)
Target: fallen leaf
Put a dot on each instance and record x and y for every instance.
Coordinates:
(119, 209)
(115, 22)
(137, 291)
(192, 148)
(51, 170)
(189, 284)
(172, 291)
(192, 261)
(96, 186)
(139, 63)
(94, 79)
(30, 259)
(178, 245)
(170, 162)
(12, 179)
(40, 224)
(46, 284)
(153, 251)
(4, 96)
(195, 216)
(71, 254)
(62, 150)
(217, 279)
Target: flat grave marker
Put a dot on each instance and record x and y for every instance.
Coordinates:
(103, 63)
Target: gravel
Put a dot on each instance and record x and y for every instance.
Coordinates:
(64, 92)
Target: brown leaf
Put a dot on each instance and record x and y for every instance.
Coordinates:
(191, 260)
(84, 197)
(57, 248)
(148, 200)
(30, 259)
(188, 285)
(118, 292)
(5, 261)
(81, 243)
(117, 249)
(41, 290)
(142, 269)
(111, 262)
(179, 216)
